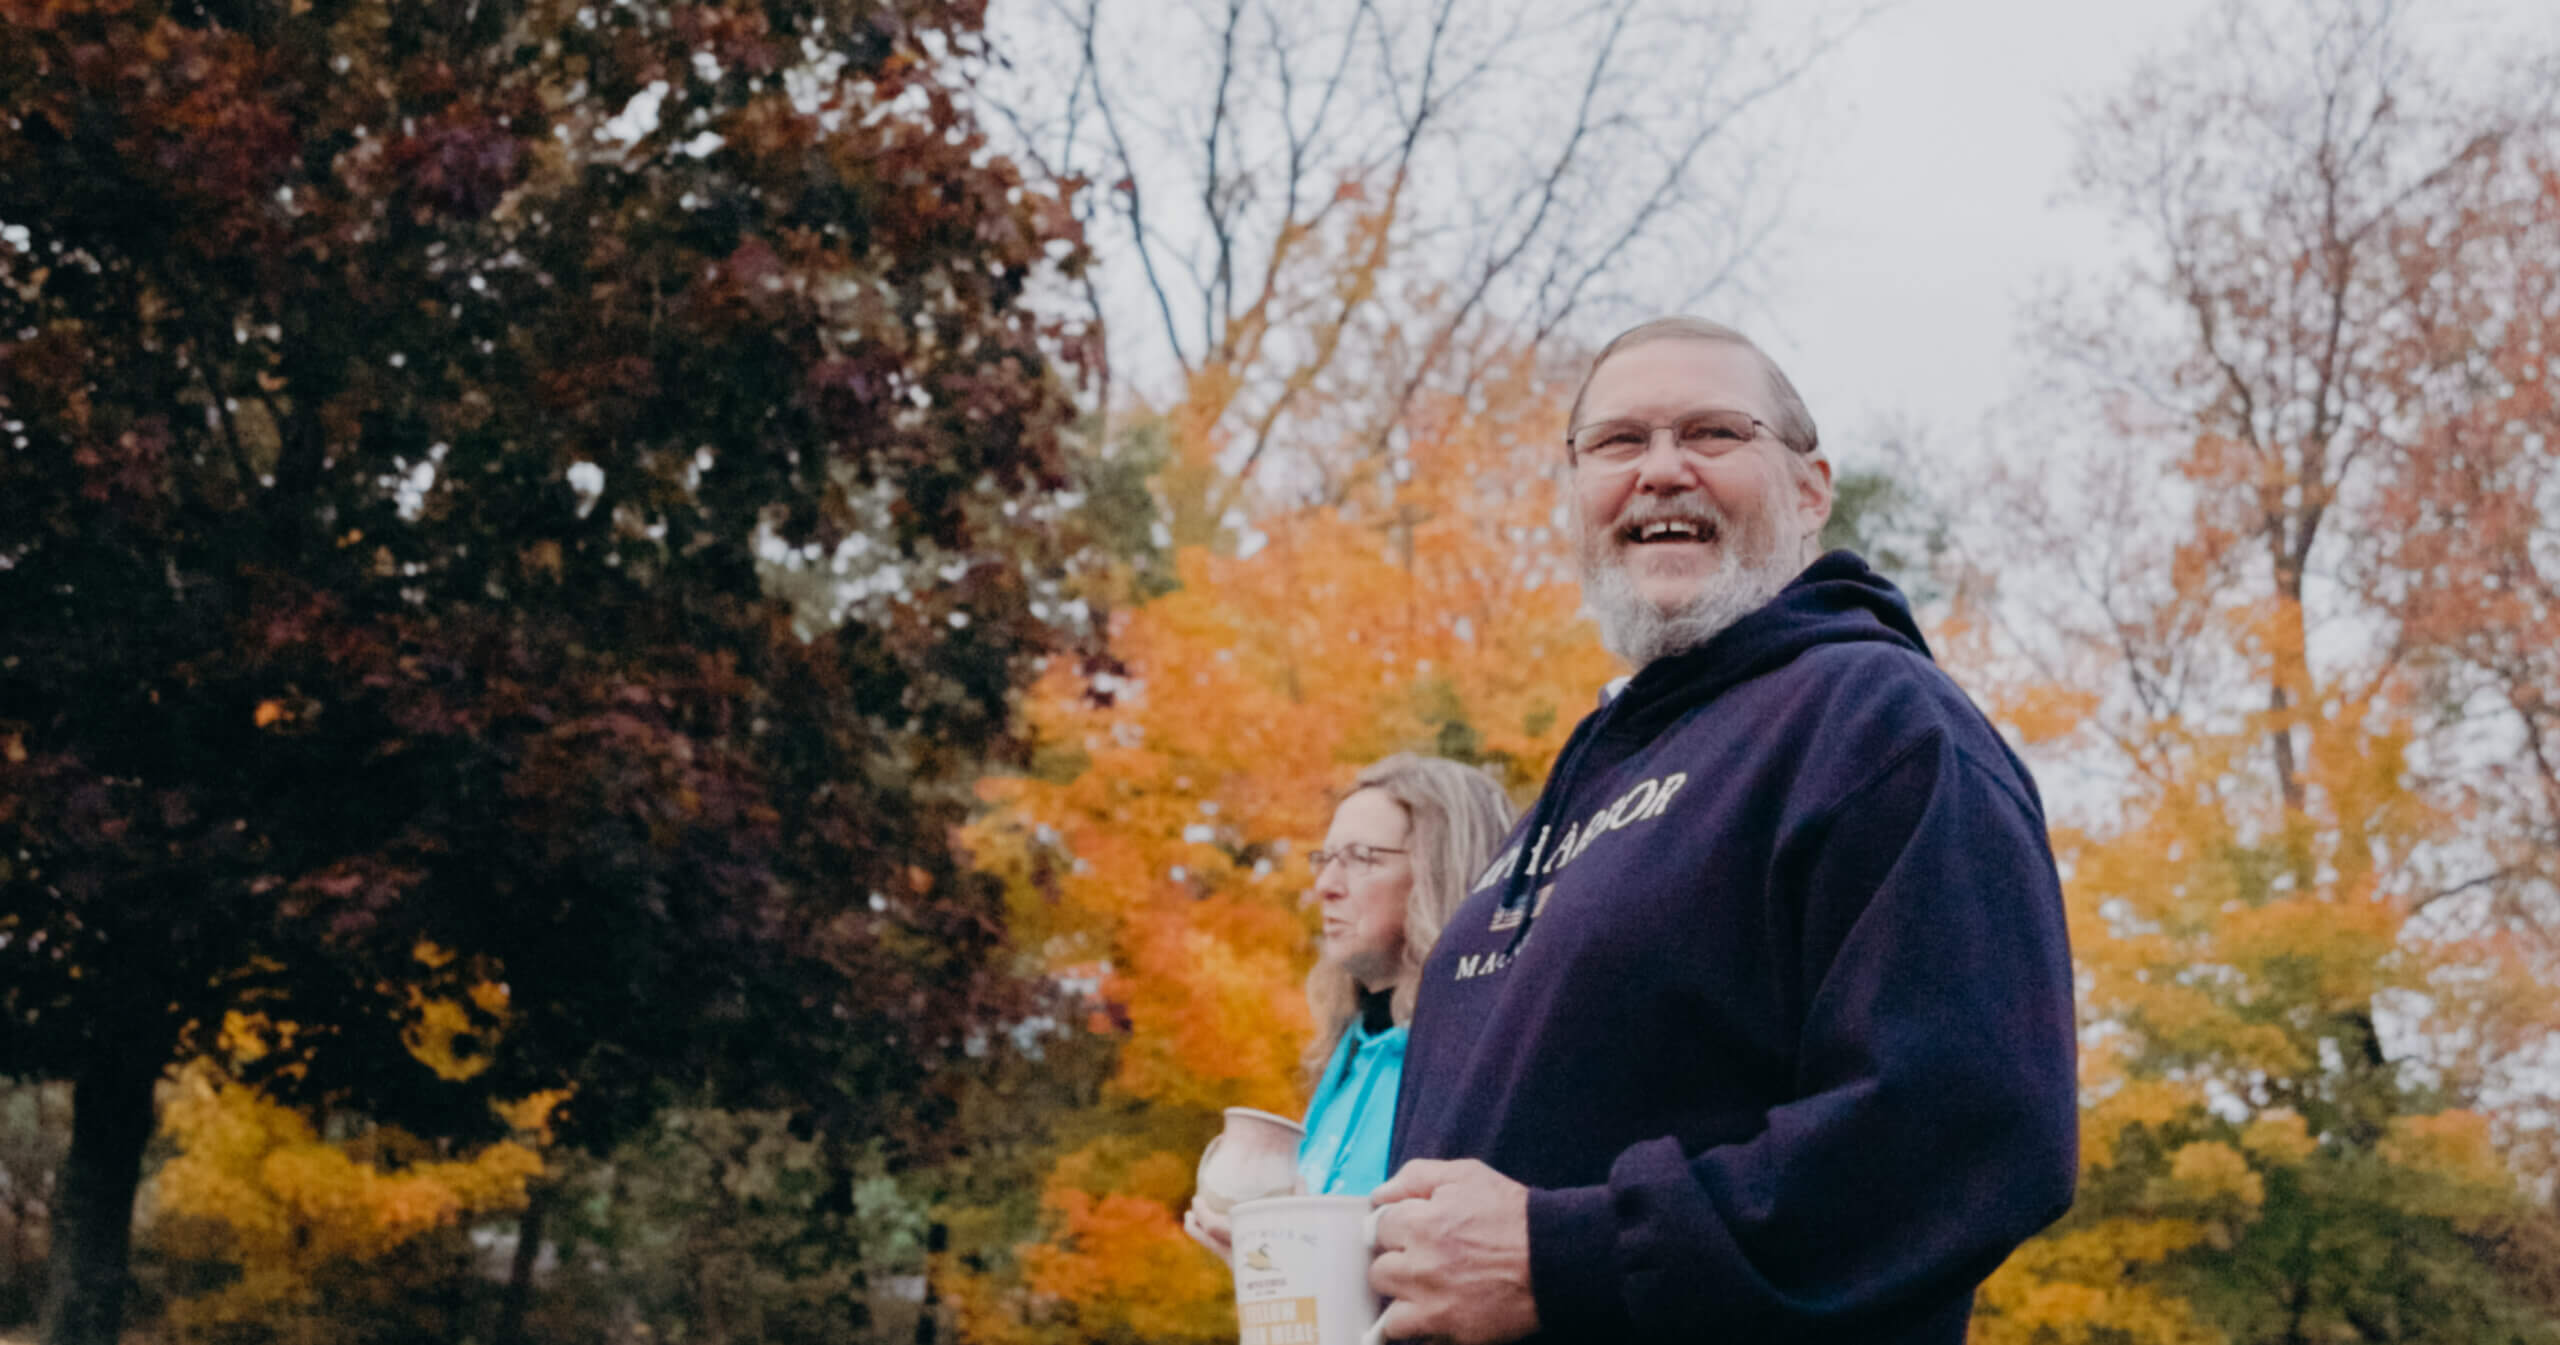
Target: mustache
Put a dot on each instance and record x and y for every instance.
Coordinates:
(1686, 507)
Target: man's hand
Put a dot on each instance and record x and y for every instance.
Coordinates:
(1453, 1252)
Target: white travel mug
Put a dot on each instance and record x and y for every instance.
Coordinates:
(1302, 1271)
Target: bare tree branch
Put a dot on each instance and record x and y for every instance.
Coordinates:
(1127, 182)
(1217, 194)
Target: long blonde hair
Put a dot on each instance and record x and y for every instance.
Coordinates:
(1456, 816)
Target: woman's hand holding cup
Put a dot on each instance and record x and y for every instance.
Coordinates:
(1254, 1157)
(1211, 1229)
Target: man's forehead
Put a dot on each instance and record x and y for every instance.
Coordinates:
(1677, 373)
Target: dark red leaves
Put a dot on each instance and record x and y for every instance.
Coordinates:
(461, 166)
(848, 390)
(399, 446)
(130, 471)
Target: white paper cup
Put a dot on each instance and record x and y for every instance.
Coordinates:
(1254, 1157)
(1302, 1270)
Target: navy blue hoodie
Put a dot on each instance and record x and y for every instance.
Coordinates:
(1768, 1000)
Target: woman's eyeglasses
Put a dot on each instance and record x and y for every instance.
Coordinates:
(1359, 856)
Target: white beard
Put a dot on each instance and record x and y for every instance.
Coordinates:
(1639, 631)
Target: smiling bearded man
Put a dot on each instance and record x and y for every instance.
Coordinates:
(1790, 1054)
(1674, 551)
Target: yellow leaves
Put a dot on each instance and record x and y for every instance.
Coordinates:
(1127, 1165)
(2279, 1138)
(2216, 924)
(434, 1033)
(2013, 1309)
(2155, 1104)
(2334, 949)
(2454, 1144)
(2106, 1251)
(2452, 1166)
(2209, 1172)
(287, 1203)
(244, 1037)
(2043, 714)
(530, 1116)
(269, 713)
(2083, 1286)
(442, 1031)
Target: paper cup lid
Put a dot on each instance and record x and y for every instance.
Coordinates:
(1273, 1117)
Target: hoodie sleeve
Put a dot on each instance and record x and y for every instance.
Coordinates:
(1934, 1121)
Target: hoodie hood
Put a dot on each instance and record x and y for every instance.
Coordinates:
(1836, 600)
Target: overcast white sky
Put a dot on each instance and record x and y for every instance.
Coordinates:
(1926, 209)
(1929, 156)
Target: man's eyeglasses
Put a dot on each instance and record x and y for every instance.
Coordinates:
(1359, 856)
(1611, 445)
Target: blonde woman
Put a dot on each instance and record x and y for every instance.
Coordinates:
(1404, 844)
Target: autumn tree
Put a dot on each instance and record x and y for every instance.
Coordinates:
(1157, 850)
(561, 484)
(2466, 517)
(2305, 1004)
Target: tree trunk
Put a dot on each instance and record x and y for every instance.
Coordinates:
(937, 1240)
(112, 1117)
(14, 1300)
(511, 1311)
(2288, 671)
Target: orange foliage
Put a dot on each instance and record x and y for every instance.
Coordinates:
(1167, 849)
(1125, 1262)
(1160, 849)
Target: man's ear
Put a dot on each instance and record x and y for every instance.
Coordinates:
(1812, 477)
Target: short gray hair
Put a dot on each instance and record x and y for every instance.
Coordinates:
(1793, 423)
